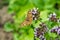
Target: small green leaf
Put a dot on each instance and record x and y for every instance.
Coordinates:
(8, 27)
(16, 36)
(53, 35)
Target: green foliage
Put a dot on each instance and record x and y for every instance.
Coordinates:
(21, 7)
(24, 34)
(8, 27)
(53, 35)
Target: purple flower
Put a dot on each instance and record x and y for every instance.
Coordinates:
(35, 13)
(52, 17)
(56, 30)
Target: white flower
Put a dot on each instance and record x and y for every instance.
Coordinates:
(58, 31)
(54, 13)
(33, 15)
(58, 20)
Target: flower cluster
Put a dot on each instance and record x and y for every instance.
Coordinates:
(35, 13)
(56, 30)
(52, 17)
(40, 31)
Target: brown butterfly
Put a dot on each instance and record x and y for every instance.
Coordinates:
(28, 20)
(31, 15)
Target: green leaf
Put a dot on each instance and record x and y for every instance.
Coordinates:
(8, 27)
(39, 4)
(53, 35)
(27, 33)
(16, 36)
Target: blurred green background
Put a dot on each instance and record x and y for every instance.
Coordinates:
(20, 9)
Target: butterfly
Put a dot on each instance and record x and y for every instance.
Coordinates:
(28, 19)
(32, 14)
